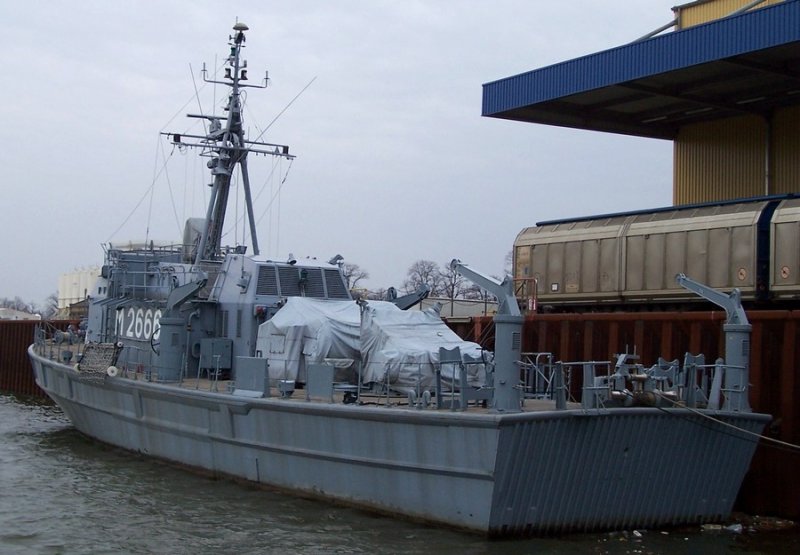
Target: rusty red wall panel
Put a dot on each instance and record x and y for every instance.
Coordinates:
(788, 381)
(15, 370)
(16, 374)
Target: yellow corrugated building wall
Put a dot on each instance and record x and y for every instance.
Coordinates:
(785, 171)
(695, 13)
(738, 157)
(720, 160)
(727, 159)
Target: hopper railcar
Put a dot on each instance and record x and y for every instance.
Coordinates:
(628, 261)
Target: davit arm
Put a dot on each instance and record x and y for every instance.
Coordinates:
(732, 303)
(503, 290)
(181, 294)
(508, 337)
(737, 341)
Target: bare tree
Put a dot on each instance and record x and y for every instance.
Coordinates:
(453, 284)
(50, 307)
(424, 271)
(353, 274)
(18, 304)
(377, 295)
(473, 292)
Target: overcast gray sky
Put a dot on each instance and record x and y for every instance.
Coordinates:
(395, 163)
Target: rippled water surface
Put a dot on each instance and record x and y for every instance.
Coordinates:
(63, 493)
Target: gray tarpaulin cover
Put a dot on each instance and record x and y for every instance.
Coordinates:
(401, 345)
(307, 331)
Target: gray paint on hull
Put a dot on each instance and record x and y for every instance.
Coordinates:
(620, 469)
(497, 474)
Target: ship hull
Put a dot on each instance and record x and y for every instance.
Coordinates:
(497, 474)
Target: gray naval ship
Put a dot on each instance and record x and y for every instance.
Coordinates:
(270, 371)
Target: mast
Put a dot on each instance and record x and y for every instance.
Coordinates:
(227, 148)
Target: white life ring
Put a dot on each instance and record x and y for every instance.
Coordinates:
(112, 371)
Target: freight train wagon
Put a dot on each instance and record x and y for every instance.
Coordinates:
(629, 260)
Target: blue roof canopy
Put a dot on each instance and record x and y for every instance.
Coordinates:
(743, 64)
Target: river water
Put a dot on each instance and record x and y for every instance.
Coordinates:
(63, 493)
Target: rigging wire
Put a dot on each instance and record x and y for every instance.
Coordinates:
(244, 106)
(197, 96)
(176, 114)
(144, 196)
(191, 99)
(234, 227)
(276, 195)
(278, 216)
(769, 441)
(292, 101)
(151, 189)
(163, 169)
(186, 160)
(169, 187)
(255, 198)
(261, 189)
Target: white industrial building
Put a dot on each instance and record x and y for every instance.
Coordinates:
(75, 286)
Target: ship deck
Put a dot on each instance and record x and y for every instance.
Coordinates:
(367, 397)
(339, 394)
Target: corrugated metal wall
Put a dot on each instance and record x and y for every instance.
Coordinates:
(726, 159)
(16, 374)
(786, 150)
(720, 160)
(696, 13)
(772, 486)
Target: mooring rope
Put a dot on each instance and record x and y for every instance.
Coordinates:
(772, 442)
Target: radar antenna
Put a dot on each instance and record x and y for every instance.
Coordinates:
(226, 147)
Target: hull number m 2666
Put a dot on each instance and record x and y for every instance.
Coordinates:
(138, 323)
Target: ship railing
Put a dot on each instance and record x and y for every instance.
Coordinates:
(63, 342)
(387, 389)
(665, 384)
(713, 386)
(597, 383)
(136, 361)
(626, 384)
(735, 398)
(214, 373)
(140, 282)
(538, 375)
(146, 249)
(456, 392)
(424, 385)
